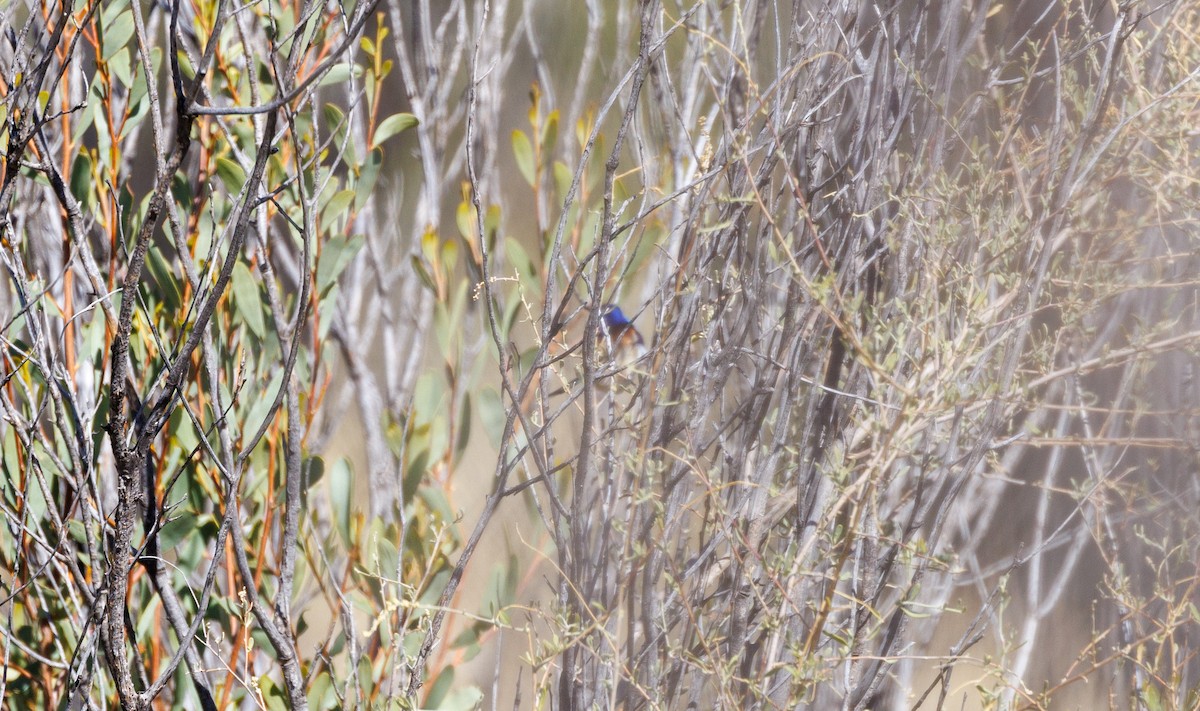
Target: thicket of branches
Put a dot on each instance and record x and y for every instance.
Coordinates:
(290, 285)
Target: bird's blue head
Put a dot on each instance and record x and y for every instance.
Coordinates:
(614, 319)
(620, 333)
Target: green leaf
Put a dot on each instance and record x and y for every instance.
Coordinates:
(116, 34)
(182, 431)
(463, 699)
(367, 177)
(335, 257)
(428, 397)
(174, 531)
(340, 485)
(468, 639)
(414, 474)
(439, 689)
(491, 223)
(523, 150)
(334, 117)
(340, 74)
(84, 120)
(271, 693)
(464, 426)
(336, 124)
(450, 255)
(122, 69)
(520, 260)
(550, 132)
(147, 618)
(433, 590)
(423, 273)
(164, 277)
(81, 179)
(247, 300)
(496, 596)
(334, 209)
(391, 126)
(509, 318)
(562, 178)
(231, 174)
(327, 309)
(139, 88)
(464, 217)
(388, 556)
(321, 694)
(260, 407)
(429, 246)
(181, 190)
(185, 65)
(140, 110)
(316, 470)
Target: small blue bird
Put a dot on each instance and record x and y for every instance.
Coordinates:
(620, 336)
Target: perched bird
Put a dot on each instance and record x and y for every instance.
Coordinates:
(620, 337)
